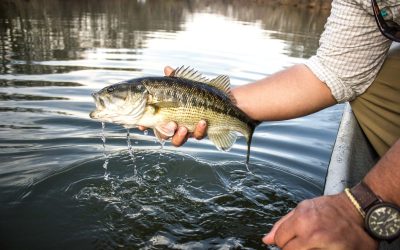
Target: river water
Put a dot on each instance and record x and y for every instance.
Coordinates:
(61, 188)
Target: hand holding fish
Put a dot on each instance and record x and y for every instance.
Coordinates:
(181, 134)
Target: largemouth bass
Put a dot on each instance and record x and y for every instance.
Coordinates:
(185, 98)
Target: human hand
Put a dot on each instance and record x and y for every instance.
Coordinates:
(181, 134)
(326, 222)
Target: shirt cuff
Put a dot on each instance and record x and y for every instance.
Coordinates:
(339, 90)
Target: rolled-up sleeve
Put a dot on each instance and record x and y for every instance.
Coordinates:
(351, 51)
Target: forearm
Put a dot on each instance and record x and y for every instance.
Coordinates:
(290, 93)
(384, 178)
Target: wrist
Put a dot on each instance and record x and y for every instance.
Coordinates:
(383, 179)
(354, 201)
(385, 192)
(381, 219)
(352, 212)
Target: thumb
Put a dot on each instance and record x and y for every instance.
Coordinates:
(168, 71)
(269, 238)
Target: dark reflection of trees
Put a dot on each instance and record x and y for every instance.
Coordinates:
(37, 30)
(19, 97)
(16, 84)
(57, 29)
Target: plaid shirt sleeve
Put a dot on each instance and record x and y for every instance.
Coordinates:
(352, 50)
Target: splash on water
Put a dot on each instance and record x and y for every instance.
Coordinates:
(248, 169)
(105, 155)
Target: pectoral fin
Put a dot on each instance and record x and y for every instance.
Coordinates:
(223, 140)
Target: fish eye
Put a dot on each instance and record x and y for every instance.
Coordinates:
(110, 89)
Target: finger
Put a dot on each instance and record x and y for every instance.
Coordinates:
(166, 131)
(296, 244)
(200, 130)
(168, 71)
(142, 128)
(180, 137)
(269, 239)
(286, 231)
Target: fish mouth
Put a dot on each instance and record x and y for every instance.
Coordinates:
(92, 115)
(98, 101)
(117, 110)
(99, 105)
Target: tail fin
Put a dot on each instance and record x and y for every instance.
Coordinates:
(252, 126)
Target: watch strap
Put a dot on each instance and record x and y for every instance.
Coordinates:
(364, 196)
(354, 202)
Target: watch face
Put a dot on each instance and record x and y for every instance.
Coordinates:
(383, 221)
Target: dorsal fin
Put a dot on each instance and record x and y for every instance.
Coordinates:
(221, 82)
(190, 74)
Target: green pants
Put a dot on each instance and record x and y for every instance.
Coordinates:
(378, 109)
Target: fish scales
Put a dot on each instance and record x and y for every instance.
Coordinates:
(197, 102)
(189, 93)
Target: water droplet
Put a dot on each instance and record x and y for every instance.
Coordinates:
(162, 142)
(106, 176)
(103, 138)
(130, 150)
(105, 155)
(128, 142)
(105, 164)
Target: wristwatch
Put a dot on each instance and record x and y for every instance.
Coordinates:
(381, 219)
